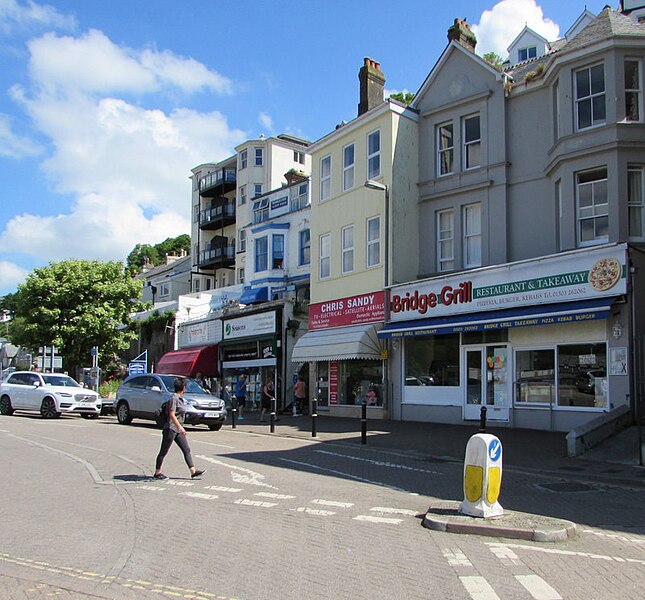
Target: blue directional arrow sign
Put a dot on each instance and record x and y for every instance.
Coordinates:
(495, 450)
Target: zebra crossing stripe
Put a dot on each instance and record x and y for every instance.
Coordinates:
(372, 519)
(537, 587)
(478, 588)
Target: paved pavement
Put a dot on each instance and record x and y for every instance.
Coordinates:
(614, 462)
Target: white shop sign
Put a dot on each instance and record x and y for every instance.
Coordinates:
(251, 325)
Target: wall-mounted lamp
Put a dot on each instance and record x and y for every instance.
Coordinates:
(617, 330)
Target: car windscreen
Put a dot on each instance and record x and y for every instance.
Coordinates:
(192, 387)
(59, 380)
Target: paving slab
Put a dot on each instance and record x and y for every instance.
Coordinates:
(445, 516)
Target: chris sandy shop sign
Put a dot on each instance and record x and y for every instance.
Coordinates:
(354, 310)
(250, 325)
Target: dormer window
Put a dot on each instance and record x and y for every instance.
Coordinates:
(524, 54)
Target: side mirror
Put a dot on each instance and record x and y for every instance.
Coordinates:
(155, 388)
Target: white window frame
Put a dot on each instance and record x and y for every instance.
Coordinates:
(325, 177)
(595, 211)
(472, 235)
(265, 240)
(591, 97)
(347, 249)
(244, 159)
(448, 151)
(469, 145)
(258, 156)
(299, 157)
(445, 241)
(241, 240)
(374, 157)
(348, 168)
(242, 199)
(257, 190)
(634, 91)
(164, 290)
(304, 247)
(371, 242)
(636, 201)
(324, 260)
(240, 275)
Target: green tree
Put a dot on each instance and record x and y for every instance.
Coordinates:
(75, 305)
(156, 255)
(494, 59)
(405, 97)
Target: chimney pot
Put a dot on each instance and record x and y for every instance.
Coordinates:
(372, 85)
(461, 33)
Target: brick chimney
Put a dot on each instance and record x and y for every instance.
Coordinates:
(372, 84)
(460, 32)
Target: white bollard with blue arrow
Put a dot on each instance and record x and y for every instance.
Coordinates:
(482, 477)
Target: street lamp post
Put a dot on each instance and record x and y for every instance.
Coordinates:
(375, 185)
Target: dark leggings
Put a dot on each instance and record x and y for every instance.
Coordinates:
(167, 438)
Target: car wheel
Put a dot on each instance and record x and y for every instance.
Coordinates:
(5, 406)
(48, 409)
(123, 415)
(215, 426)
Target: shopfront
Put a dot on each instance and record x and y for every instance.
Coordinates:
(251, 346)
(541, 344)
(346, 356)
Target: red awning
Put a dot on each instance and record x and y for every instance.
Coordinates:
(190, 361)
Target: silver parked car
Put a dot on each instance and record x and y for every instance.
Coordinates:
(141, 396)
(50, 394)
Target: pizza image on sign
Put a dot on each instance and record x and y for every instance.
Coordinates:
(605, 274)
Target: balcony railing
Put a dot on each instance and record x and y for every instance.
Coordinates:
(219, 215)
(217, 256)
(209, 185)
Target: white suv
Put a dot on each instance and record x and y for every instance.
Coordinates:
(49, 394)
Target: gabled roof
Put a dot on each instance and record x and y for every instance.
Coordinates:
(586, 15)
(450, 49)
(608, 24)
(527, 30)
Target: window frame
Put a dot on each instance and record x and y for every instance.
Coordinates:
(244, 159)
(347, 249)
(243, 196)
(636, 204)
(261, 243)
(590, 98)
(475, 142)
(258, 156)
(277, 251)
(579, 220)
(325, 177)
(241, 240)
(304, 247)
(257, 190)
(374, 156)
(468, 236)
(638, 91)
(370, 242)
(324, 256)
(349, 168)
(447, 150)
(442, 240)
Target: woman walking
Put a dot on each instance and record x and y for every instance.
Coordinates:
(268, 395)
(173, 431)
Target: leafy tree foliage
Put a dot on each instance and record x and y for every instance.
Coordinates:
(494, 59)
(75, 305)
(405, 97)
(143, 254)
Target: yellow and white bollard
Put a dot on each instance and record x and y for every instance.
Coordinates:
(482, 476)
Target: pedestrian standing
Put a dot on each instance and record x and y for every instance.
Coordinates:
(268, 395)
(299, 396)
(173, 431)
(240, 396)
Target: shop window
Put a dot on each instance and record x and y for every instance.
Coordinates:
(535, 376)
(322, 383)
(432, 360)
(582, 375)
(360, 381)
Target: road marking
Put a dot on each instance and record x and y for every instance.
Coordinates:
(394, 511)
(342, 474)
(220, 488)
(213, 444)
(620, 538)
(199, 495)
(152, 488)
(456, 558)
(506, 555)
(246, 502)
(537, 587)
(333, 503)
(179, 483)
(372, 519)
(313, 511)
(478, 588)
(245, 476)
(379, 463)
(276, 496)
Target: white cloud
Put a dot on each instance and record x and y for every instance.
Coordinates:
(266, 121)
(498, 27)
(10, 276)
(126, 166)
(30, 15)
(13, 145)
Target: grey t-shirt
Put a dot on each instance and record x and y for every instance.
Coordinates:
(177, 404)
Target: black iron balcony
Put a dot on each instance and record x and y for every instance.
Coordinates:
(217, 183)
(214, 256)
(220, 214)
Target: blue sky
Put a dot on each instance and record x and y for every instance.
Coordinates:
(106, 106)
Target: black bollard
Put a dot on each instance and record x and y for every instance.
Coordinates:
(314, 415)
(233, 417)
(482, 419)
(364, 423)
(272, 416)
